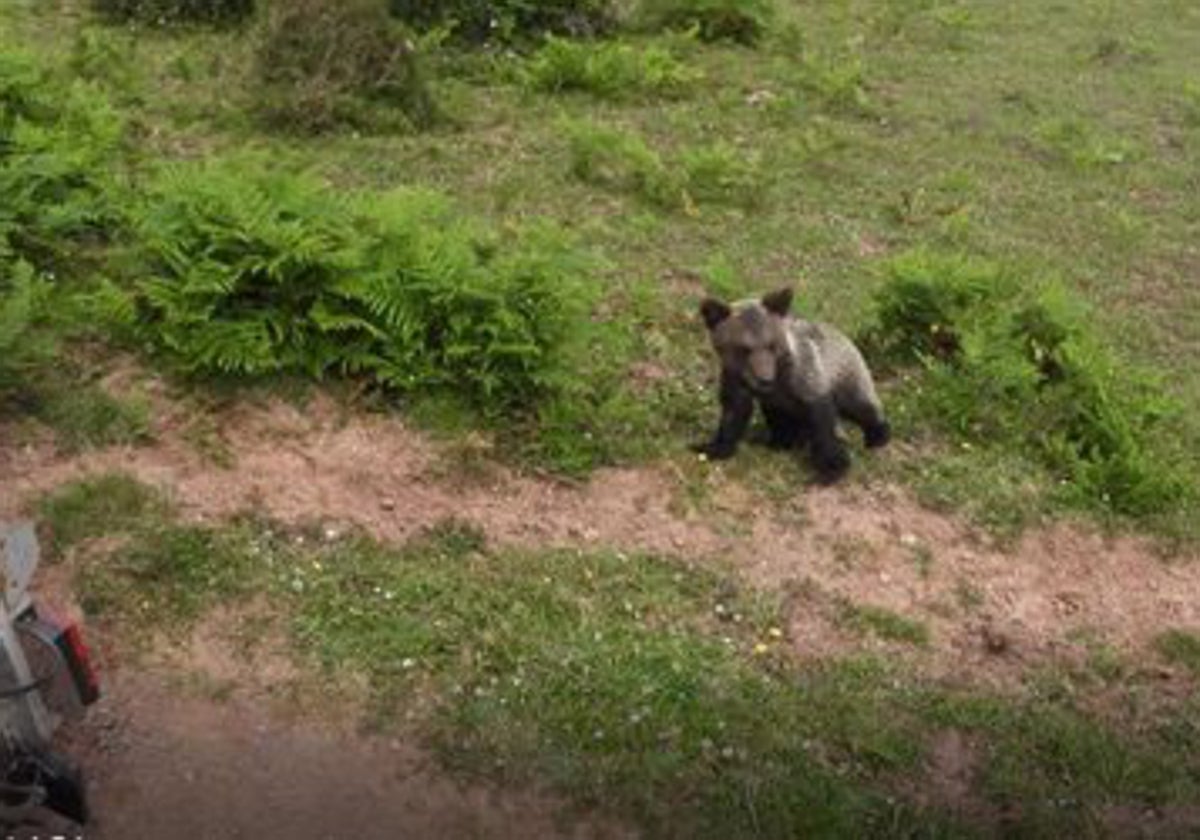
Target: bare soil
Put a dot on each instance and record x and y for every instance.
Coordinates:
(991, 612)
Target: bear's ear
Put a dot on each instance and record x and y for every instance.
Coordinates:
(714, 312)
(779, 301)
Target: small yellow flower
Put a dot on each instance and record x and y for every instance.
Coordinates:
(760, 649)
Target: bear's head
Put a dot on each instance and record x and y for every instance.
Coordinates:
(750, 337)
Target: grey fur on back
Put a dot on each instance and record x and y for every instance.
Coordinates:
(827, 361)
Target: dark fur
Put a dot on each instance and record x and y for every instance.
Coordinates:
(761, 367)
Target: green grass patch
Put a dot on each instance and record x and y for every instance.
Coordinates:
(622, 162)
(884, 623)
(84, 416)
(106, 505)
(166, 576)
(1181, 647)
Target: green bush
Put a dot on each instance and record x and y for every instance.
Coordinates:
(743, 21)
(607, 70)
(168, 12)
(57, 143)
(322, 63)
(252, 272)
(1020, 365)
(478, 21)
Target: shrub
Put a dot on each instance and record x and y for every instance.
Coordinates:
(324, 62)
(743, 21)
(606, 70)
(1019, 365)
(478, 21)
(254, 272)
(168, 12)
(57, 142)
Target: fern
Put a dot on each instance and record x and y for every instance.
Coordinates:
(251, 272)
(22, 345)
(57, 141)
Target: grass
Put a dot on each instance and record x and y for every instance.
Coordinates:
(1181, 647)
(86, 417)
(884, 623)
(662, 693)
(108, 504)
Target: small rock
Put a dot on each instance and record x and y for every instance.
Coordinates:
(994, 641)
(909, 540)
(387, 504)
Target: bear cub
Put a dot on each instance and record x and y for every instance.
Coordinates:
(804, 375)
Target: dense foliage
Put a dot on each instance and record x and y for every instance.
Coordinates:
(56, 143)
(1014, 363)
(254, 272)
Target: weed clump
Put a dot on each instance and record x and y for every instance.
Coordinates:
(1018, 365)
(508, 21)
(169, 12)
(323, 63)
(252, 272)
(742, 21)
(621, 161)
(606, 70)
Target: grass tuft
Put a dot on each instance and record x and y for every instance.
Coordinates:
(96, 507)
(1182, 648)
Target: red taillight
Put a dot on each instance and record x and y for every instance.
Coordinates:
(79, 661)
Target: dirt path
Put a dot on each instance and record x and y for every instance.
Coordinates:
(868, 545)
(149, 750)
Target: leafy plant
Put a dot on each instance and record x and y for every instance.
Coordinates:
(57, 140)
(254, 272)
(743, 21)
(1019, 365)
(322, 63)
(607, 70)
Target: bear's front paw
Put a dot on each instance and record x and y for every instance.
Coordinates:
(713, 451)
(831, 464)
